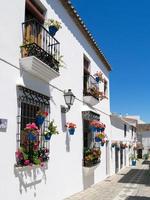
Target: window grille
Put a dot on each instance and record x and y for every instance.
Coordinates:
(29, 102)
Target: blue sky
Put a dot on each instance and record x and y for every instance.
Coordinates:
(122, 30)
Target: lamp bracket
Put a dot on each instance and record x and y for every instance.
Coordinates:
(65, 109)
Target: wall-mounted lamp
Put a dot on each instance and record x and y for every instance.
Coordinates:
(69, 100)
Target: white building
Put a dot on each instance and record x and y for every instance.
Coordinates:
(30, 80)
(143, 138)
(123, 136)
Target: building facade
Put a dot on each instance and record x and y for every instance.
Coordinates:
(33, 84)
(123, 136)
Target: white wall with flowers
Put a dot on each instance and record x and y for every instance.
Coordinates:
(119, 137)
(64, 174)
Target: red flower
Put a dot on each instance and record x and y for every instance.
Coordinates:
(70, 125)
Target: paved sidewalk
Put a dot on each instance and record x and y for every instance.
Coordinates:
(132, 183)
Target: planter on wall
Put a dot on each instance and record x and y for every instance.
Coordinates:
(53, 30)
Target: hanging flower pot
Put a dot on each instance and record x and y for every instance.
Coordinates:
(31, 137)
(39, 120)
(47, 136)
(97, 139)
(97, 79)
(102, 129)
(71, 131)
(52, 30)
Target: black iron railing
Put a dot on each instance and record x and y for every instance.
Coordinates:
(91, 87)
(39, 43)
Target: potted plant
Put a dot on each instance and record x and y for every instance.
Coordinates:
(32, 131)
(52, 130)
(91, 156)
(53, 26)
(40, 117)
(133, 159)
(71, 127)
(98, 76)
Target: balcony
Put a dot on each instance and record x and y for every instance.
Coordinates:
(91, 90)
(40, 51)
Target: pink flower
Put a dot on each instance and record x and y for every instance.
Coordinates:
(70, 125)
(31, 126)
(19, 154)
(42, 164)
(26, 162)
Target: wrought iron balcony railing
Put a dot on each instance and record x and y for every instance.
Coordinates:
(39, 43)
(91, 87)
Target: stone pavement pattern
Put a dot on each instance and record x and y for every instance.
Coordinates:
(132, 183)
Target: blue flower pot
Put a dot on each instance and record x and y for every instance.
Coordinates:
(98, 129)
(31, 137)
(52, 30)
(97, 79)
(133, 162)
(39, 120)
(71, 131)
(47, 137)
(93, 128)
(102, 129)
(97, 139)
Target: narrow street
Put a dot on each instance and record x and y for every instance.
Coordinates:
(132, 183)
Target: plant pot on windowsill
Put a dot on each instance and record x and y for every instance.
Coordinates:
(31, 137)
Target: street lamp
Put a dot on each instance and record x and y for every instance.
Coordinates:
(69, 100)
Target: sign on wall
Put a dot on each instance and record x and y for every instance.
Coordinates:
(3, 125)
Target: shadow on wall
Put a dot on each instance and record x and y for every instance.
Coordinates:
(64, 129)
(29, 177)
(55, 5)
(137, 198)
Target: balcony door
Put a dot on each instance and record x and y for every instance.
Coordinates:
(32, 29)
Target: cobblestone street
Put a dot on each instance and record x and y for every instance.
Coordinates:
(132, 183)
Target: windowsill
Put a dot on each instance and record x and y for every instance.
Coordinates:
(33, 166)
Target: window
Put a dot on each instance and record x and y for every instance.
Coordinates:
(105, 88)
(132, 130)
(125, 130)
(29, 103)
(90, 148)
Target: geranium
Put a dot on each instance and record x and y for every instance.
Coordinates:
(70, 125)
(97, 124)
(31, 126)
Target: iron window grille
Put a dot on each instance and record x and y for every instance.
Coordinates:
(29, 102)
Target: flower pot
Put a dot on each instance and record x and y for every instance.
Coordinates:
(97, 139)
(47, 137)
(31, 137)
(97, 79)
(52, 30)
(133, 162)
(71, 131)
(98, 129)
(39, 120)
(102, 129)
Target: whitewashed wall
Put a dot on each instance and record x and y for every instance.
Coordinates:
(117, 134)
(64, 175)
(144, 137)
